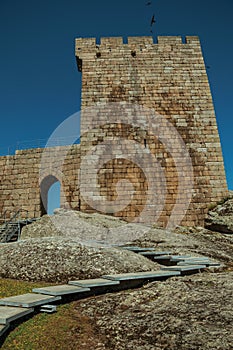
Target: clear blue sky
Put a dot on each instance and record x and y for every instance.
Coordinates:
(40, 85)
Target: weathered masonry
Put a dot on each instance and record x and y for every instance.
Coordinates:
(24, 184)
(167, 77)
(170, 78)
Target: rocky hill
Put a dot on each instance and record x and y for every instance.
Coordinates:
(193, 312)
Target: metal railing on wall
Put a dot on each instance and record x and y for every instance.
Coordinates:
(9, 216)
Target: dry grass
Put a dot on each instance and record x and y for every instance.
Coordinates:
(10, 287)
(66, 329)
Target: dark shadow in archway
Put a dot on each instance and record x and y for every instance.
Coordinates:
(45, 186)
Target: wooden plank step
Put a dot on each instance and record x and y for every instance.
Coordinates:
(163, 257)
(197, 262)
(9, 313)
(97, 282)
(184, 268)
(3, 328)
(163, 260)
(154, 253)
(136, 249)
(169, 259)
(63, 289)
(188, 258)
(180, 257)
(49, 309)
(151, 275)
(28, 300)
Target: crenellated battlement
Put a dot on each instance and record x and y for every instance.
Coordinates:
(90, 44)
(89, 48)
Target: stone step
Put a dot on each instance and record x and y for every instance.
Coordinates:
(61, 290)
(28, 300)
(151, 275)
(97, 282)
(9, 313)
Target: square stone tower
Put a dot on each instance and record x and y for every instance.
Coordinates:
(148, 99)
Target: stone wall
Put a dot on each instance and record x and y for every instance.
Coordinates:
(26, 177)
(139, 100)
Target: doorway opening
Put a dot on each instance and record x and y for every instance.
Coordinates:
(50, 192)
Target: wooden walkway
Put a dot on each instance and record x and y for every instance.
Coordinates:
(18, 308)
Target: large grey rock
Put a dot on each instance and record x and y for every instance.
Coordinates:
(193, 312)
(57, 259)
(73, 224)
(85, 227)
(220, 219)
(197, 242)
(73, 253)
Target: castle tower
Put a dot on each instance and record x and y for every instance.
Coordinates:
(168, 77)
